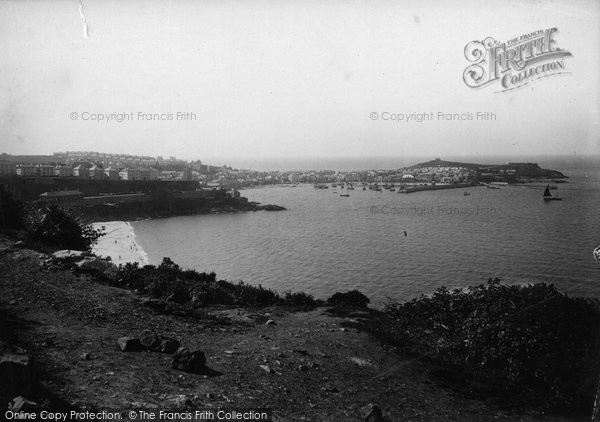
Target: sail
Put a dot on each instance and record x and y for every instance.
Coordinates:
(547, 193)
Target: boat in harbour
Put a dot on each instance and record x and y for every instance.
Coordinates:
(548, 196)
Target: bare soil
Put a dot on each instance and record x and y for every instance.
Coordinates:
(304, 365)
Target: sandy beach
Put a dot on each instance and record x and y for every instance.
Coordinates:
(119, 243)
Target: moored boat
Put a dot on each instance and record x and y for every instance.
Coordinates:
(548, 196)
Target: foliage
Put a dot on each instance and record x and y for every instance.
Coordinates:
(350, 300)
(50, 224)
(168, 281)
(245, 294)
(528, 341)
(301, 300)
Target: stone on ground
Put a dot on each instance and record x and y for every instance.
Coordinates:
(150, 340)
(188, 361)
(129, 344)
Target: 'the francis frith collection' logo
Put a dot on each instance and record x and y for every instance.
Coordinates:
(516, 62)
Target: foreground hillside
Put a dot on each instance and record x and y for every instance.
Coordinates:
(304, 365)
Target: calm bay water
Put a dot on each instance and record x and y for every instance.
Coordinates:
(326, 243)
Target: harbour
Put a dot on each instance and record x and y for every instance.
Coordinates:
(326, 243)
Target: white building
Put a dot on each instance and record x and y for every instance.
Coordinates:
(130, 174)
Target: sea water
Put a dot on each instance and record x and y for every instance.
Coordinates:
(393, 246)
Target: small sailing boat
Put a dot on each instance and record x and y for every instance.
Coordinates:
(548, 196)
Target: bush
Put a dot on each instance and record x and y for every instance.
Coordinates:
(349, 300)
(301, 300)
(168, 281)
(245, 294)
(49, 224)
(528, 343)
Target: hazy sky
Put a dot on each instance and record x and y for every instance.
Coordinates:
(270, 79)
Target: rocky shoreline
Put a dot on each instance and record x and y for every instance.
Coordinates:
(159, 209)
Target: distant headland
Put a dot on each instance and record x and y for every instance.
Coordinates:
(519, 170)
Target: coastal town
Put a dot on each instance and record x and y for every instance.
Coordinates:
(87, 165)
(104, 186)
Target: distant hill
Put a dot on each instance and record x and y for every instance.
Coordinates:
(531, 170)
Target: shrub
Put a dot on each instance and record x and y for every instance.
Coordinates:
(52, 225)
(301, 300)
(528, 343)
(350, 300)
(169, 281)
(245, 294)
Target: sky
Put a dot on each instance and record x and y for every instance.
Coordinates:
(282, 79)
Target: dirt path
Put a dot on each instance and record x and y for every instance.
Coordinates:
(305, 365)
